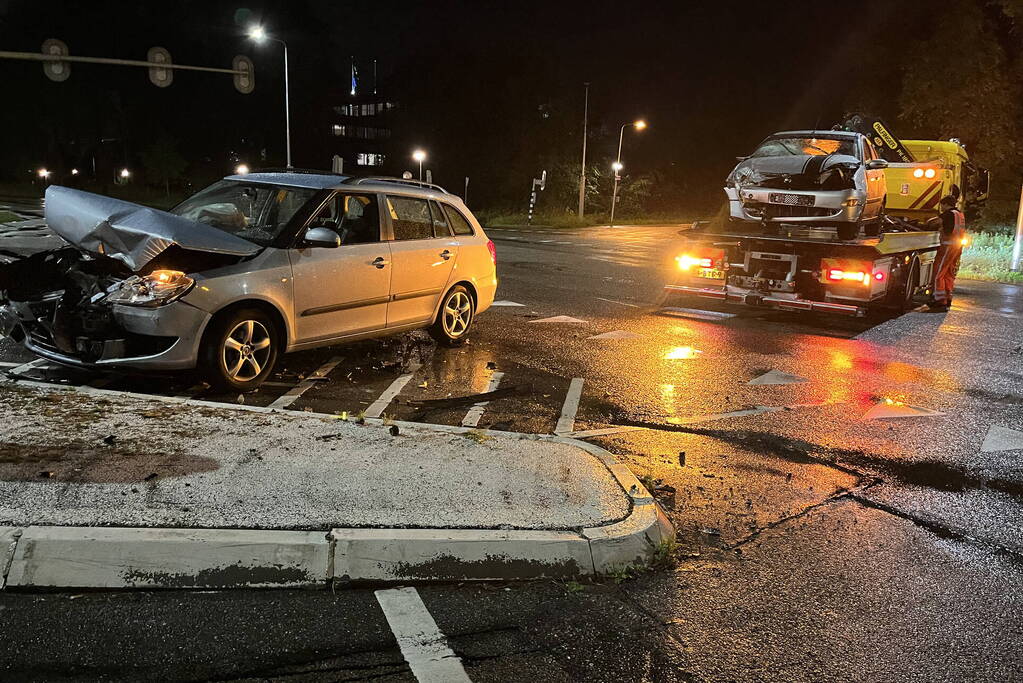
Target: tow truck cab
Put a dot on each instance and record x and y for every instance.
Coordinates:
(799, 267)
(915, 188)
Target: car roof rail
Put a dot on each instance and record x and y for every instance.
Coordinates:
(396, 181)
(308, 171)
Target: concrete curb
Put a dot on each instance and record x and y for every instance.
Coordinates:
(46, 557)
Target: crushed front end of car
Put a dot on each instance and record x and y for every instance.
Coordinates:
(798, 189)
(113, 296)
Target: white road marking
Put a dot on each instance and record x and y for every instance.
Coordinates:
(422, 644)
(588, 433)
(759, 410)
(380, 405)
(10, 364)
(566, 423)
(305, 385)
(620, 303)
(472, 418)
(31, 365)
(506, 303)
(617, 334)
(696, 313)
(777, 377)
(886, 411)
(558, 319)
(1002, 439)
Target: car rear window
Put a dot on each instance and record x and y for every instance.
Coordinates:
(457, 221)
(410, 218)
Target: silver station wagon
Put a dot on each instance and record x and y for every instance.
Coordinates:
(249, 268)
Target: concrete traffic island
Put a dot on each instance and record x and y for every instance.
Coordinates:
(102, 489)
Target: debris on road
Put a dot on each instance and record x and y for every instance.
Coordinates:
(456, 401)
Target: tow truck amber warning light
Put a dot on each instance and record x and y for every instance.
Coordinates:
(924, 173)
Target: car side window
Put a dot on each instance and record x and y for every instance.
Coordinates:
(459, 225)
(353, 217)
(410, 218)
(440, 223)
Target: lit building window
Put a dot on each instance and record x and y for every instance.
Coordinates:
(366, 159)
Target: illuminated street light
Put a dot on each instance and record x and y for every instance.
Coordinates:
(617, 167)
(125, 173)
(638, 124)
(241, 169)
(43, 173)
(420, 156)
(259, 36)
(74, 171)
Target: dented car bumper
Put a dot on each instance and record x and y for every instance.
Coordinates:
(133, 337)
(794, 206)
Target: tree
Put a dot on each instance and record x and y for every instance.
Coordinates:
(162, 161)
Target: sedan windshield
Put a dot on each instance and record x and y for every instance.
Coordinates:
(252, 211)
(786, 146)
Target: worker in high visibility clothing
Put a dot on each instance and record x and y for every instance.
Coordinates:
(946, 262)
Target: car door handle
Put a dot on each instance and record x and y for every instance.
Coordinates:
(380, 262)
(445, 254)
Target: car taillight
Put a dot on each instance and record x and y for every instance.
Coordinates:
(704, 259)
(493, 251)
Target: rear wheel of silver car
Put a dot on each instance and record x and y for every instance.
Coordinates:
(455, 318)
(239, 350)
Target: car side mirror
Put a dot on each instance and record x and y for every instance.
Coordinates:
(321, 237)
(877, 164)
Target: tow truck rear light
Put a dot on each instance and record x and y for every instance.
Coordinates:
(705, 258)
(836, 275)
(879, 276)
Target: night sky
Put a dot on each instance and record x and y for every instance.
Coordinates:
(492, 90)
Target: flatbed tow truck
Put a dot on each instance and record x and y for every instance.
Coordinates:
(802, 266)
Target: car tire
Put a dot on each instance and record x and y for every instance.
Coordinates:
(455, 317)
(901, 297)
(239, 350)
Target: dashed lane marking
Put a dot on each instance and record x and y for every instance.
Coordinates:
(777, 377)
(506, 303)
(620, 303)
(1002, 439)
(380, 405)
(10, 364)
(305, 385)
(566, 423)
(558, 319)
(25, 367)
(695, 313)
(422, 644)
(617, 334)
(472, 418)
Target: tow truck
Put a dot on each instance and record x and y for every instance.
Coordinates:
(805, 266)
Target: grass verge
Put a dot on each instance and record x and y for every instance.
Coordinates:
(8, 217)
(988, 258)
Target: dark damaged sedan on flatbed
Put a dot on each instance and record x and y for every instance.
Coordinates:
(251, 267)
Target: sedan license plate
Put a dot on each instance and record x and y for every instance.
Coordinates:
(791, 199)
(711, 273)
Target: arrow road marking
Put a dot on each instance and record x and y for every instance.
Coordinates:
(422, 644)
(777, 377)
(559, 319)
(1002, 439)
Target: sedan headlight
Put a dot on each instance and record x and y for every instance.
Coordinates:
(155, 289)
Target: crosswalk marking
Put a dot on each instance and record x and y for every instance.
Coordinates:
(380, 405)
(566, 423)
(472, 418)
(305, 385)
(421, 642)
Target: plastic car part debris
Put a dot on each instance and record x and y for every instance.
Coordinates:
(455, 401)
(394, 430)
(681, 458)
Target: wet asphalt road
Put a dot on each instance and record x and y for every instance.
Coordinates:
(813, 543)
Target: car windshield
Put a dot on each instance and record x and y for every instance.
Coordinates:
(795, 145)
(252, 211)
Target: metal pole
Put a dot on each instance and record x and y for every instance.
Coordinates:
(582, 169)
(1017, 248)
(420, 170)
(465, 196)
(287, 105)
(618, 163)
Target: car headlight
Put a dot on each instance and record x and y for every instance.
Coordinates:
(155, 289)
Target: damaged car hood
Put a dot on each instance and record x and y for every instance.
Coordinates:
(131, 233)
(757, 169)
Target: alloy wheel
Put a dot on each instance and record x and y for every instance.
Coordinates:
(246, 350)
(457, 314)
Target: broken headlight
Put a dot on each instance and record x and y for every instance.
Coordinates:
(155, 289)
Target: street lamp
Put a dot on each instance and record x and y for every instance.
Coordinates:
(258, 35)
(241, 169)
(617, 166)
(125, 173)
(420, 156)
(74, 171)
(44, 174)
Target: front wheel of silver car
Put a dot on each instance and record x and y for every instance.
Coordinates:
(239, 350)
(455, 318)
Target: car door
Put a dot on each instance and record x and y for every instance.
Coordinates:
(423, 254)
(346, 290)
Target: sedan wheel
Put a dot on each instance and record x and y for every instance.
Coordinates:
(239, 349)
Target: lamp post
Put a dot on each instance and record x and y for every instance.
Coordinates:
(257, 34)
(420, 156)
(582, 169)
(617, 166)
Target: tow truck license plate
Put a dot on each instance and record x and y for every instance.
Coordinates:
(712, 273)
(790, 199)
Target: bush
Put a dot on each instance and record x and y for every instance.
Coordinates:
(988, 258)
